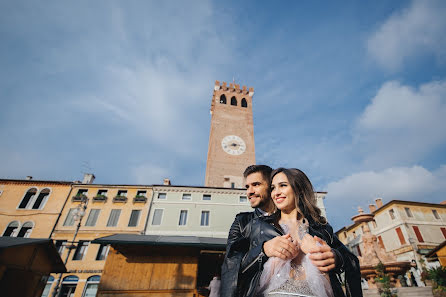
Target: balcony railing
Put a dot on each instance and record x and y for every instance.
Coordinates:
(100, 198)
(79, 198)
(120, 199)
(140, 198)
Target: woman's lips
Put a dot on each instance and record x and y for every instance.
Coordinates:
(279, 199)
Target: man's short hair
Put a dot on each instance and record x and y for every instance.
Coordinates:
(265, 170)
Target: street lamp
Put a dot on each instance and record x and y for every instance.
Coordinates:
(78, 215)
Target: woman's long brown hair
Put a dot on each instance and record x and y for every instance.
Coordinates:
(305, 199)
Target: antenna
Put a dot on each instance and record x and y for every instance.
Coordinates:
(85, 167)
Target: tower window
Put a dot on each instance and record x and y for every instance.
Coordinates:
(223, 99)
(435, 213)
(244, 103)
(233, 101)
(392, 214)
(408, 212)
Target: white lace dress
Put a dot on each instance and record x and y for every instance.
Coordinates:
(296, 277)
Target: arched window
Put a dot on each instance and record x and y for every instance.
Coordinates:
(28, 197)
(49, 284)
(244, 103)
(91, 287)
(233, 101)
(69, 284)
(41, 199)
(26, 229)
(11, 229)
(223, 99)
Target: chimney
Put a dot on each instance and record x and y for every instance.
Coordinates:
(372, 207)
(379, 202)
(166, 182)
(88, 178)
(29, 177)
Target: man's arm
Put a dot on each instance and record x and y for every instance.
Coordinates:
(236, 248)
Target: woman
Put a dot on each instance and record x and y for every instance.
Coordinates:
(298, 215)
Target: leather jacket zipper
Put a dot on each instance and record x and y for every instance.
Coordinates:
(258, 259)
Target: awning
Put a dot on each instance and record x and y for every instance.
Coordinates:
(161, 240)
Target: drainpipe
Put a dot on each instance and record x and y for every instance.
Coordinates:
(60, 212)
(148, 213)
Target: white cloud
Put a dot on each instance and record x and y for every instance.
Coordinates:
(418, 29)
(402, 124)
(398, 183)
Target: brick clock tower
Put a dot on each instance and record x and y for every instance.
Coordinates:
(231, 139)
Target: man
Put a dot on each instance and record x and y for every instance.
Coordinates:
(244, 260)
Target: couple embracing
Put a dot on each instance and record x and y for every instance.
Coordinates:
(285, 247)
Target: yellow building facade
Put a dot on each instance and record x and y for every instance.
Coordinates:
(30, 208)
(105, 210)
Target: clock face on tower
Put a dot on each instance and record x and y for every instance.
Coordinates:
(233, 145)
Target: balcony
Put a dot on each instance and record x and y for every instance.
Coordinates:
(79, 198)
(100, 198)
(140, 199)
(120, 199)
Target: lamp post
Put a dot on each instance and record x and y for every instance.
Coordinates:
(78, 215)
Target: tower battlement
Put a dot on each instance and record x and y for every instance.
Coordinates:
(233, 88)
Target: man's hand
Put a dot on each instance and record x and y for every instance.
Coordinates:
(281, 247)
(321, 256)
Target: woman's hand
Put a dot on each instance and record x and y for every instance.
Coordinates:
(322, 256)
(282, 247)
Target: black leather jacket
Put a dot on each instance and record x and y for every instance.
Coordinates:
(244, 259)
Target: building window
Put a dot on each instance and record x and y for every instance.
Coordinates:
(47, 289)
(82, 192)
(206, 197)
(183, 218)
(232, 185)
(380, 242)
(69, 220)
(91, 287)
(102, 193)
(69, 285)
(92, 217)
(60, 246)
(141, 193)
(102, 252)
(244, 103)
(81, 250)
(233, 101)
(400, 235)
(392, 214)
(113, 218)
(157, 216)
(41, 199)
(435, 213)
(408, 212)
(418, 233)
(134, 217)
(243, 199)
(187, 196)
(11, 229)
(122, 193)
(223, 99)
(443, 230)
(26, 229)
(162, 196)
(204, 218)
(29, 195)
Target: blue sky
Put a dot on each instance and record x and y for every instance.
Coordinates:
(352, 93)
